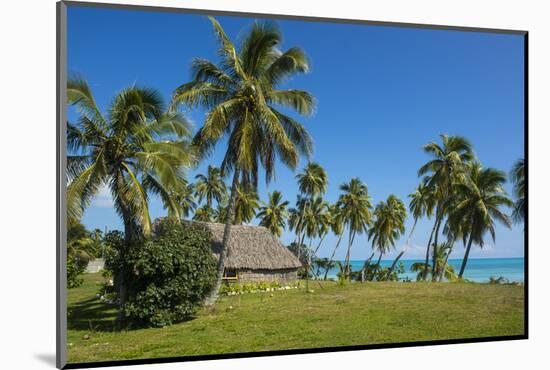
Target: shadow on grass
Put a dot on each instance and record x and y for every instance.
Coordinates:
(91, 314)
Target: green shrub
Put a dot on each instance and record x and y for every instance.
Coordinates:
(171, 274)
(74, 270)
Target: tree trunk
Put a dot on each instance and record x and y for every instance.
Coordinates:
(407, 243)
(299, 233)
(395, 263)
(465, 260)
(350, 242)
(379, 259)
(308, 263)
(211, 299)
(367, 263)
(444, 267)
(435, 256)
(427, 262)
(130, 237)
(332, 256)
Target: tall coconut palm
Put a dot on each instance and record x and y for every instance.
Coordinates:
(246, 204)
(337, 228)
(210, 186)
(445, 168)
(316, 225)
(242, 95)
(323, 217)
(312, 182)
(273, 214)
(355, 205)
(388, 226)
(135, 150)
(422, 204)
(517, 175)
(482, 198)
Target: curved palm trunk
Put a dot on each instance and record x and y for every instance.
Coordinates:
(444, 267)
(395, 261)
(402, 251)
(350, 242)
(379, 259)
(367, 262)
(315, 253)
(225, 241)
(465, 260)
(427, 262)
(332, 256)
(319, 245)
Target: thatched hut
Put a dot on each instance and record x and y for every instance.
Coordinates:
(254, 254)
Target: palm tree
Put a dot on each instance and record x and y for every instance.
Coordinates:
(482, 197)
(422, 204)
(295, 219)
(388, 226)
(210, 186)
(517, 175)
(446, 167)
(220, 213)
(273, 214)
(241, 95)
(204, 214)
(443, 252)
(186, 200)
(316, 223)
(312, 182)
(81, 245)
(337, 227)
(135, 150)
(246, 204)
(355, 205)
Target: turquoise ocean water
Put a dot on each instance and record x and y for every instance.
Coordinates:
(477, 269)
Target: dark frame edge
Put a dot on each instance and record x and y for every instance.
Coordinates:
(61, 222)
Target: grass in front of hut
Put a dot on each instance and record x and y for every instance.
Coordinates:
(354, 314)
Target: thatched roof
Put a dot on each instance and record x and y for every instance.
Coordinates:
(252, 247)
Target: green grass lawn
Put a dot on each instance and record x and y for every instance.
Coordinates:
(367, 313)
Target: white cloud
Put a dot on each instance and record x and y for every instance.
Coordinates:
(103, 199)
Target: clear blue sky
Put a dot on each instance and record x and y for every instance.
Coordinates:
(382, 93)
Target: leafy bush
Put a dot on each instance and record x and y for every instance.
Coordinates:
(171, 274)
(75, 268)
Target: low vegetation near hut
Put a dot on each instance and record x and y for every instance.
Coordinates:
(171, 273)
(370, 313)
